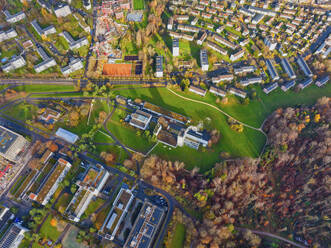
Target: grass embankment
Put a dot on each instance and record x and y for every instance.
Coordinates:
(179, 236)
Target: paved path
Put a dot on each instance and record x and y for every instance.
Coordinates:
(273, 236)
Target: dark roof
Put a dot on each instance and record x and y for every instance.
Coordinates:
(7, 138)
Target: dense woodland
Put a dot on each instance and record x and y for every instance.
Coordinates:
(285, 192)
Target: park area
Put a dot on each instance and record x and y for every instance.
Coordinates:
(247, 143)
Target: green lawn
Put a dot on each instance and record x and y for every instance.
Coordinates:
(248, 143)
(138, 4)
(63, 202)
(48, 230)
(120, 154)
(179, 236)
(22, 111)
(127, 134)
(44, 88)
(101, 136)
(93, 206)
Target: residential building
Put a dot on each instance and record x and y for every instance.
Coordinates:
(66, 135)
(43, 31)
(249, 81)
(217, 91)
(159, 66)
(6, 35)
(75, 64)
(270, 88)
(216, 47)
(244, 69)
(237, 55)
(181, 17)
(270, 43)
(322, 81)
(224, 41)
(140, 119)
(245, 11)
(288, 85)
(224, 77)
(87, 4)
(197, 90)
(175, 47)
(146, 227)
(74, 44)
(46, 63)
(288, 68)
(170, 23)
(88, 188)
(62, 10)
(14, 63)
(204, 60)
(305, 83)
(15, 17)
(195, 21)
(257, 18)
(237, 92)
(13, 237)
(50, 185)
(304, 67)
(188, 28)
(262, 11)
(272, 70)
(117, 214)
(12, 144)
(202, 38)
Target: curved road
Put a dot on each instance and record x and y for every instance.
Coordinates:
(273, 236)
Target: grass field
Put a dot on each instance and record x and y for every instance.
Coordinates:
(48, 230)
(22, 111)
(44, 88)
(179, 236)
(128, 135)
(63, 202)
(248, 143)
(138, 4)
(93, 206)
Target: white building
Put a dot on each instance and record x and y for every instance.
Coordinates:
(140, 119)
(46, 63)
(12, 144)
(14, 18)
(237, 55)
(89, 187)
(204, 60)
(43, 31)
(74, 44)
(6, 35)
(87, 4)
(270, 43)
(175, 47)
(62, 10)
(74, 65)
(14, 63)
(13, 236)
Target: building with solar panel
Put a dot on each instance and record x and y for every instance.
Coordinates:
(13, 236)
(11, 144)
(159, 66)
(146, 226)
(204, 60)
